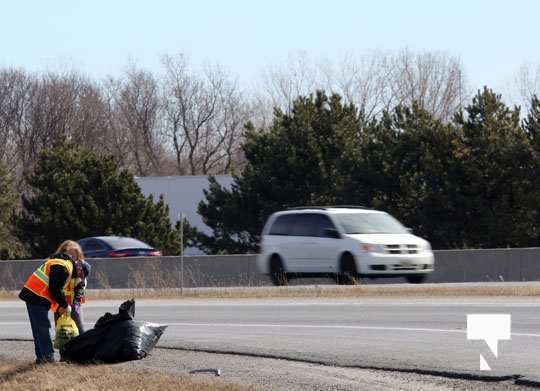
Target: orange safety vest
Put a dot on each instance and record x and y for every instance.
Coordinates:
(38, 282)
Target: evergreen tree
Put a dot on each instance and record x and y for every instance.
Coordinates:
(408, 165)
(494, 180)
(76, 194)
(531, 126)
(298, 161)
(470, 183)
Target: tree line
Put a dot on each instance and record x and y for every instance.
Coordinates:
(471, 182)
(394, 131)
(75, 193)
(187, 120)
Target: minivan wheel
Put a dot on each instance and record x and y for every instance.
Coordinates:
(277, 271)
(416, 278)
(348, 274)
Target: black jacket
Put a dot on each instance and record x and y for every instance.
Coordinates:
(58, 277)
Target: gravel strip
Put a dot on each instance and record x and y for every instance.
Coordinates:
(281, 374)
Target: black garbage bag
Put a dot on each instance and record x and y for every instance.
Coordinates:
(115, 338)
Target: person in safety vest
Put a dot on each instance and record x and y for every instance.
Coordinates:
(45, 290)
(74, 293)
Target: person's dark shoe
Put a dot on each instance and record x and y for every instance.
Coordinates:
(41, 361)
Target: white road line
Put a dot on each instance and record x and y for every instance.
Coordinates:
(397, 303)
(346, 327)
(331, 304)
(309, 326)
(312, 326)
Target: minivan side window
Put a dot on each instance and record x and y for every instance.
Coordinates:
(301, 224)
(295, 224)
(320, 223)
(281, 226)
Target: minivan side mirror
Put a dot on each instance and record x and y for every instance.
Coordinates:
(331, 233)
(409, 230)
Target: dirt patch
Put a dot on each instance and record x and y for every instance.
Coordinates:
(61, 376)
(251, 372)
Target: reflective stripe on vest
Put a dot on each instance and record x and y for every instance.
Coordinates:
(69, 292)
(38, 282)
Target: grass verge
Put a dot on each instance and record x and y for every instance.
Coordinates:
(329, 291)
(15, 376)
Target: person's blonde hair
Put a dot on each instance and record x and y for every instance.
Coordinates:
(73, 246)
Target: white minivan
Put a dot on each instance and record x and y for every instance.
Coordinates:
(341, 241)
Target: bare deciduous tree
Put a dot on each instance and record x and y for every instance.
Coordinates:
(527, 83)
(38, 111)
(363, 81)
(53, 106)
(138, 102)
(89, 122)
(433, 80)
(283, 84)
(15, 89)
(188, 121)
(374, 82)
(204, 116)
(117, 137)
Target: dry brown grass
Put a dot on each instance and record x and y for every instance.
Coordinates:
(318, 291)
(8, 295)
(19, 376)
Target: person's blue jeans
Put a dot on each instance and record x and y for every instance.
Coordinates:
(39, 321)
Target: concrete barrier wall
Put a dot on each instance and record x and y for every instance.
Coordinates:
(235, 270)
(519, 264)
(240, 270)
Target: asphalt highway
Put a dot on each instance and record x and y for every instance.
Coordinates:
(424, 335)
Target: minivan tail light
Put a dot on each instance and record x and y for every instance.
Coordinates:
(117, 254)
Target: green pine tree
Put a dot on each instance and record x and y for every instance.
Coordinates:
(494, 178)
(469, 183)
(76, 193)
(303, 159)
(531, 126)
(407, 164)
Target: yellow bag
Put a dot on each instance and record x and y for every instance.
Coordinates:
(66, 328)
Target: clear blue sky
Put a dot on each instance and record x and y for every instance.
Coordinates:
(492, 37)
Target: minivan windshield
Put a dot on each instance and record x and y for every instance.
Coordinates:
(369, 223)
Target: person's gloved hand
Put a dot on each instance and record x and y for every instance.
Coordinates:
(66, 310)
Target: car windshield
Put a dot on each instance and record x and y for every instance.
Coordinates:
(369, 223)
(118, 243)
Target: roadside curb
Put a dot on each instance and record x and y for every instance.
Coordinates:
(528, 381)
(428, 372)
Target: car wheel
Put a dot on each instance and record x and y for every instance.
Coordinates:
(348, 274)
(416, 278)
(277, 271)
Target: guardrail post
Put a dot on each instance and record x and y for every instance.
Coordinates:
(181, 254)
